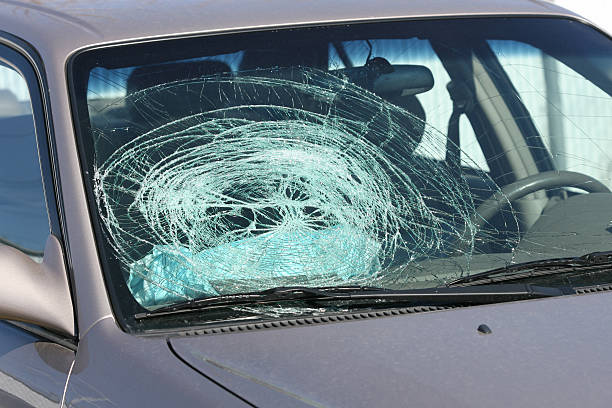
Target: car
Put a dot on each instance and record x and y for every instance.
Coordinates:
(292, 204)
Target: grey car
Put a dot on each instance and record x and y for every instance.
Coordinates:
(287, 204)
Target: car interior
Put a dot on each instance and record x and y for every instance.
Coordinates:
(456, 101)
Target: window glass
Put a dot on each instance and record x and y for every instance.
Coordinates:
(322, 156)
(572, 115)
(23, 214)
(436, 103)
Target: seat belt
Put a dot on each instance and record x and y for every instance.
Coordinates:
(463, 102)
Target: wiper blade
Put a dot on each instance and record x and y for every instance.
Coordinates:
(432, 296)
(589, 262)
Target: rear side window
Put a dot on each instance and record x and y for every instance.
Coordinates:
(24, 222)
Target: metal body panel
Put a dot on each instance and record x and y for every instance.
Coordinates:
(114, 369)
(436, 359)
(33, 372)
(37, 292)
(58, 29)
(62, 27)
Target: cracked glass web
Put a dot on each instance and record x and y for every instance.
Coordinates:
(279, 177)
(212, 170)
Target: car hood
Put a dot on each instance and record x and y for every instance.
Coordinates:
(548, 352)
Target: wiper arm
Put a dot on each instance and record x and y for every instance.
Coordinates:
(281, 293)
(589, 262)
(431, 296)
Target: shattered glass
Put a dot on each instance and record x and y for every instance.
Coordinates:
(290, 174)
(216, 175)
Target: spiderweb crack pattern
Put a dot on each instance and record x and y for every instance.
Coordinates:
(274, 177)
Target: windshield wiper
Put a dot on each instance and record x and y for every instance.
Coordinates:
(590, 262)
(430, 296)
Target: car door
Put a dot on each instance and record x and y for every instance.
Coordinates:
(34, 362)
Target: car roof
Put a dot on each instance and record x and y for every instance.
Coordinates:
(60, 27)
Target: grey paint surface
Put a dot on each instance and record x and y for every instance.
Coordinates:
(115, 369)
(97, 21)
(542, 353)
(33, 373)
(36, 292)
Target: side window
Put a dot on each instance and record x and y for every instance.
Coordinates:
(24, 222)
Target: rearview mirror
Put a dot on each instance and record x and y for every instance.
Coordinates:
(34, 292)
(388, 80)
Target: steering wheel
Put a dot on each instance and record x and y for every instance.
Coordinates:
(520, 188)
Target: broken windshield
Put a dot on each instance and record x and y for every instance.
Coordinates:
(394, 155)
